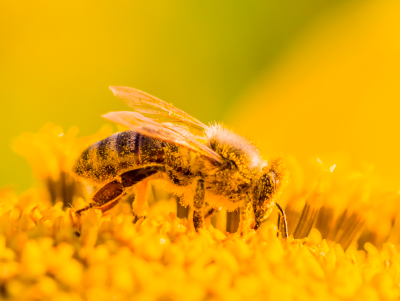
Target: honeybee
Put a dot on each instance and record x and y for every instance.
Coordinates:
(200, 163)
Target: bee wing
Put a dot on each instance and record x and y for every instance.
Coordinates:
(184, 131)
(148, 127)
(157, 109)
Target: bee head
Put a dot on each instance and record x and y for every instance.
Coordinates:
(267, 188)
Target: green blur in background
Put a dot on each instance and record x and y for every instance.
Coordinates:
(57, 59)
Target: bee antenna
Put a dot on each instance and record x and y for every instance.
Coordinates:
(284, 221)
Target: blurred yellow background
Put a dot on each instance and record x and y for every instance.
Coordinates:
(309, 78)
(335, 94)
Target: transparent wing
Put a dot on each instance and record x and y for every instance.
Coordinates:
(148, 127)
(157, 109)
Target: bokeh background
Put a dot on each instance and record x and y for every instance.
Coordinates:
(306, 79)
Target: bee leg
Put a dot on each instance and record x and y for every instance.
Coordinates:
(80, 211)
(138, 179)
(140, 206)
(106, 195)
(246, 216)
(284, 222)
(109, 205)
(198, 203)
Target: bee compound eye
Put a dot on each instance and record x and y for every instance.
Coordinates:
(270, 177)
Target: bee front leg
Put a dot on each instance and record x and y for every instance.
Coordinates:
(246, 216)
(198, 204)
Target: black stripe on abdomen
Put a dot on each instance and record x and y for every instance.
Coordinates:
(125, 144)
(152, 150)
(136, 149)
(138, 146)
(103, 149)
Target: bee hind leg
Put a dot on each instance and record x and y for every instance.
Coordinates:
(198, 204)
(106, 196)
(138, 179)
(86, 208)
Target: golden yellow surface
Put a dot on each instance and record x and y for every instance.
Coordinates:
(160, 258)
(48, 253)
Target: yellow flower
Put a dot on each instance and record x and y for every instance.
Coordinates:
(335, 250)
(52, 153)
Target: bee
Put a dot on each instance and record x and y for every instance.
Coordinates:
(201, 164)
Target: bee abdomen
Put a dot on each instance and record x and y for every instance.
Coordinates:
(106, 159)
(126, 143)
(99, 162)
(136, 149)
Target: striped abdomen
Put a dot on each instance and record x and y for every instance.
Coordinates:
(120, 152)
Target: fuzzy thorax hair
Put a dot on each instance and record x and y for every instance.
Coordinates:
(233, 147)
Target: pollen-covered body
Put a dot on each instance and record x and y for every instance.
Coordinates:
(201, 164)
(126, 152)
